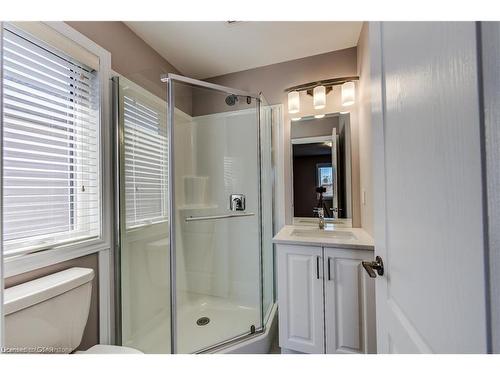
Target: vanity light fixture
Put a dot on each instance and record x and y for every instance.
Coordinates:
(348, 94)
(319, 97)
(319, 90)
(319, 116)
(293, 102)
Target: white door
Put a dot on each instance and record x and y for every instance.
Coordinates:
(428, 188)
(349, 302)
(300, 285)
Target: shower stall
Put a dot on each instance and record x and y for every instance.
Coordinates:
(194, 261)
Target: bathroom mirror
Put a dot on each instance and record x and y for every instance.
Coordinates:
(321, 168)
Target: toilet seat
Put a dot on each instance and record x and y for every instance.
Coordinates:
(109, 349)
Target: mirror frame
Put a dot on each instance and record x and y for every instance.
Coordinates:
(347, 117)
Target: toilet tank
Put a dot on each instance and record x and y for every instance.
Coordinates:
(49, 314)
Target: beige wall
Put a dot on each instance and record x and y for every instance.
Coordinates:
(130, 55)
(365, 132)
(272, 80)
(134, 59)
(91, 333)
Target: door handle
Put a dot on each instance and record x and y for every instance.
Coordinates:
(317, 267)
(377, 265)
(329, 277)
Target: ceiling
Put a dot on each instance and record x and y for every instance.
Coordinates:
(207, 49)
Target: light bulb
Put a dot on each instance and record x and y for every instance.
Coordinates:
(348, 94)
(319, 97)
(293, 102)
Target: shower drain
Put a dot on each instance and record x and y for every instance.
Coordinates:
(203, 321)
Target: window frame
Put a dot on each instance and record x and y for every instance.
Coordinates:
(26, 262)
(75, 157)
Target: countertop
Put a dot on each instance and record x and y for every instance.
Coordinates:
(363, 240)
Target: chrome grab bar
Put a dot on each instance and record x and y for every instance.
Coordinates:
(216, 217)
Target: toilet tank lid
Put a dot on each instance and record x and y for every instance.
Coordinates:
(35, 291)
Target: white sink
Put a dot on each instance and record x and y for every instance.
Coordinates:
(314, 233)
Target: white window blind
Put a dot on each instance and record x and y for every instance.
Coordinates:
(146, 158)
(50, 148)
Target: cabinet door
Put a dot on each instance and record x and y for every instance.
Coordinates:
(300, 297)
(349, 302)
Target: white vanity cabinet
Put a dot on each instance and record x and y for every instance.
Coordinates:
(349, 302)
(326, 300)
(300, 296)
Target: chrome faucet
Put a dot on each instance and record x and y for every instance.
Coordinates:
(321, 217)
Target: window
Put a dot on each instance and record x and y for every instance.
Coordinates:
(324, 172)
(146, 157)
(50, 148)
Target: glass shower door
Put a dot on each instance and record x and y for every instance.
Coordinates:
(143, 259)
(215, 181)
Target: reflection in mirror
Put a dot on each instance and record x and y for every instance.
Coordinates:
(321, 154)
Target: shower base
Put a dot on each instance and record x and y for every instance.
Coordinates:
(260, 343)
(227, 320)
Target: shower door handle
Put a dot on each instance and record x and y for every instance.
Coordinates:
(216, 217)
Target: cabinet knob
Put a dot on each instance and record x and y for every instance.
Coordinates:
(377, 265)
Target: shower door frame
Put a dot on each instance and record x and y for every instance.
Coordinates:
(169, 79)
